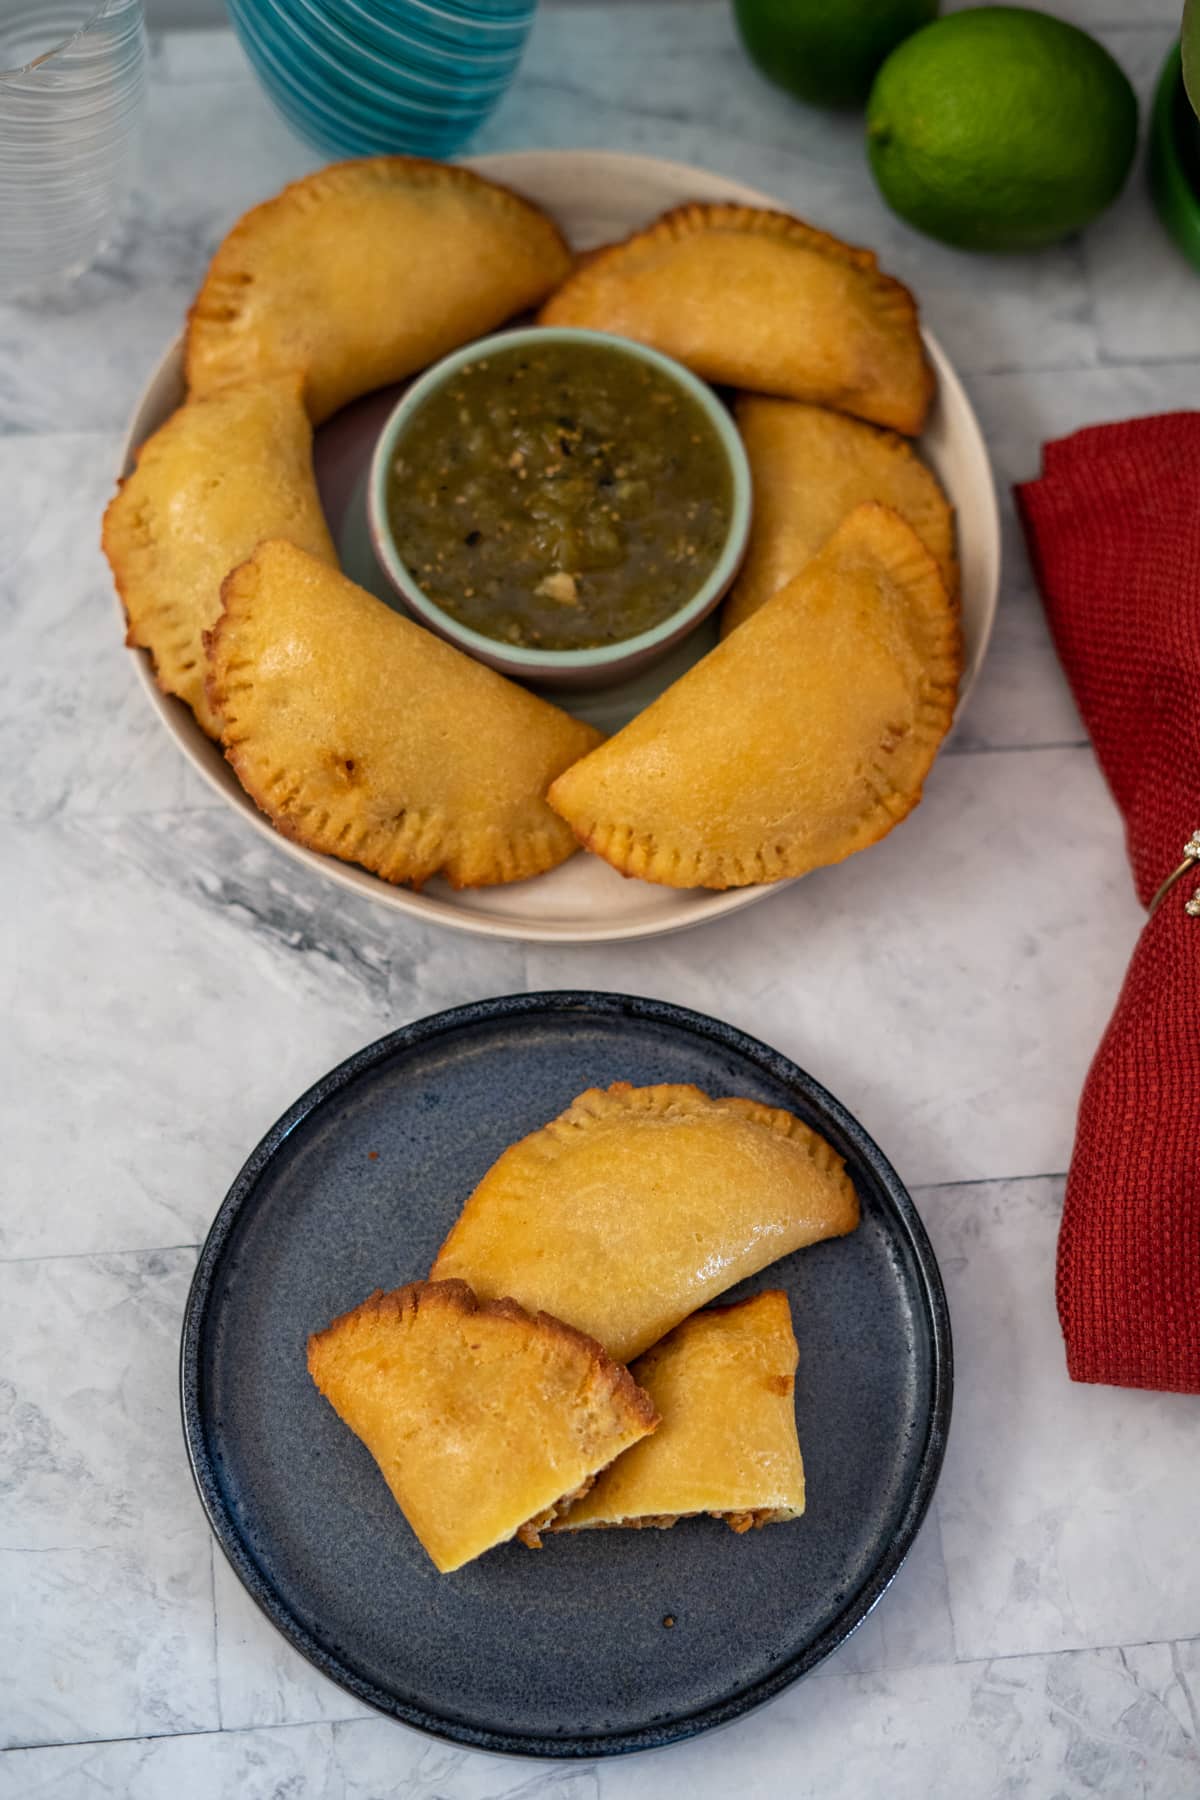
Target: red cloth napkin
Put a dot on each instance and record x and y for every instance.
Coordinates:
(1114, 531)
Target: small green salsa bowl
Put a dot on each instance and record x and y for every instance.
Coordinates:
(596, 666)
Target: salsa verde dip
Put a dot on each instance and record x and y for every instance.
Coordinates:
(560, 495)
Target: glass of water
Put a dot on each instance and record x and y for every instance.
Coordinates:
(72, 90)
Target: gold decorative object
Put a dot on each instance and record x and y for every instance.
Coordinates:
(1191, 856)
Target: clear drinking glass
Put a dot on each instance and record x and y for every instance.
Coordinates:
(72, 90)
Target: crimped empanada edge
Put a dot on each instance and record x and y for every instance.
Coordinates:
(622, 1100)
(458, 1299)
(427, 844)
(639, 854)
(695, 217)
(225, 267)
(116, 544)
(892, 443)
(633, 1410)
(120, 553)
(741, 1520)
(691, 218)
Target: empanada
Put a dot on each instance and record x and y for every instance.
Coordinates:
(810, 468)
(637, 1205)
(804, 736)
(363, 735)
(483, 1419)
(217, 478)
(723, 1384)
(759, 300)
(364, 272)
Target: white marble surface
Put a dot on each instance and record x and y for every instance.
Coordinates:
(170, 984)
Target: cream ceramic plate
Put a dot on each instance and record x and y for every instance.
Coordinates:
(596, 196)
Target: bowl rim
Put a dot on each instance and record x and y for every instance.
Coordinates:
(523, 660)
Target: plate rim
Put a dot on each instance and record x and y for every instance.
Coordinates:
(514, 1007)
(506, 166)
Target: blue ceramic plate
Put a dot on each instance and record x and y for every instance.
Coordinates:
(564, 1652)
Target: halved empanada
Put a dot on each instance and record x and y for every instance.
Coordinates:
(363, 735)
(811, 467)
(364, 272)
(483, 1419)
(637, 1205)
(220, 476)
(759, 300)
(723, 1384)
(803, 737)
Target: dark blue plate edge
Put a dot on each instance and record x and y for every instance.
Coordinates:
(648, 1737)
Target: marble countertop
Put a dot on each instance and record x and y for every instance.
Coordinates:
(172, 982)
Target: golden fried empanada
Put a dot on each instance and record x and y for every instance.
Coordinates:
(364, 272)
(810, 468)
(759, 300)
(637, 1205)
(804, 736)
(363, 735)
(217, 478)
(723, 1384)
(482, 1419)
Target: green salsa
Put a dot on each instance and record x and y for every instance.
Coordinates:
(560, 495)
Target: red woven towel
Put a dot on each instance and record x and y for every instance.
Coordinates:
(1114, 529)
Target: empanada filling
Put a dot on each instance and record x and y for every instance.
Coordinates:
(529, 1533)
(753, 1520)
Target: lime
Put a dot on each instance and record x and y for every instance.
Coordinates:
(1190, 44)
(826, 51)
(1000, 129)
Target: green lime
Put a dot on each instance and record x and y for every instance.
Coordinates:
(826, 51)
(1190, 44)
(1000, 129)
